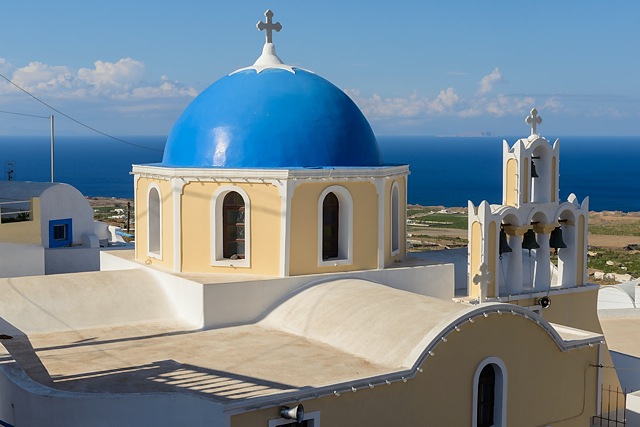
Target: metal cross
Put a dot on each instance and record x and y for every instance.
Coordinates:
(534, 119)
(269, 26)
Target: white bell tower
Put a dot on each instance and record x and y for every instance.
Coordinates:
(510, 244)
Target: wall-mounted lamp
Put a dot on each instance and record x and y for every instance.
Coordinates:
(544, 302)
(295, 413)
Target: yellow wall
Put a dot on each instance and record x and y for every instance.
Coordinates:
(545, 386)
(265, 216)
(512, 182)
(142, 232)
(578, 310)
(304, 228)
(24, 231)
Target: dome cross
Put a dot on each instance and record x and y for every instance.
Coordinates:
(269, 26)
(533, 119)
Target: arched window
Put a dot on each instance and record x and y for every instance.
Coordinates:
(395, 219)
(233, 229)
(490, 393)
(154, 224)
(335, 227)
(486, 396)
(330, 226)
(230, 227)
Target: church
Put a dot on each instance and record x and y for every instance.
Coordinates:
(271, 285)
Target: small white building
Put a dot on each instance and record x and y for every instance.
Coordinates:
(45, 228)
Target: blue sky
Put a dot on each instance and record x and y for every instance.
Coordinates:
(415, 67)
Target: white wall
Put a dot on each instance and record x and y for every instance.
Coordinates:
(633, 409)
(62, 201)
(236, 303)
(17, 259)
(26, 403)
(615, 297)
(71, 259)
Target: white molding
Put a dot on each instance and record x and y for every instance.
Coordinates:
(379, 184)
(176, 186)
(311, 416)
(223, 175)
(216, 228)
(500, 403)
(150, 254)
(286, 192)
(345, 236)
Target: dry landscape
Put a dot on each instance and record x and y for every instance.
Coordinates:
(614, 237)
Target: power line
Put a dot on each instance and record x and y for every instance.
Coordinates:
(24, 114)
(72, 119)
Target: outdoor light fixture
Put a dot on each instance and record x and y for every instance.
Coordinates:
(295, 413)
(544, 302)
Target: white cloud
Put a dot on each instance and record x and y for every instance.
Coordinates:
(445, 101)
(120, 80)
(487, 82)
(39, 77)
(125, 72)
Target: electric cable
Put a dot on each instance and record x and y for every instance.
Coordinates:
(75, 120)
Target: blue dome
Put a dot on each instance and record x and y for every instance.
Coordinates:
(272, 119)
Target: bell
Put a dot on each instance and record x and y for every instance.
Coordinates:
(504, 246)
(529, 240)
(534, 174)
(555, 240)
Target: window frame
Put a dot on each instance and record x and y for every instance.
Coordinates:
(150, 252)
(314, 417)
(395, 219)
(67, 223)
(345, 227)
(217, 228)
(500, 397)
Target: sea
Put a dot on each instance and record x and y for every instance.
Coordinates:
(445, 171)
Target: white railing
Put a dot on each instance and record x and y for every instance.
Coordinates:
(15, 211)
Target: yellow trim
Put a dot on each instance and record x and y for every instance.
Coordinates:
(512, 182)
(492, 290)
(580, 252)
(476, 252)
(554, 178)
(525, 182)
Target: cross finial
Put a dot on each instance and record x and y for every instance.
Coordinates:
(269, 26)
(534, 119)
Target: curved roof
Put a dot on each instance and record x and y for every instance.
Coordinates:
(271, 119)
(336, 314)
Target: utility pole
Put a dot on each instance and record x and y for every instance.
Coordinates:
(52, 141)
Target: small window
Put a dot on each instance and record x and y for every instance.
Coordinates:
(335, 227)
(230, 227)
(490, 393)
(60, 233)
(154, 223)
(486, 396)
(395, 219)
(330, 226)
(234, 230)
